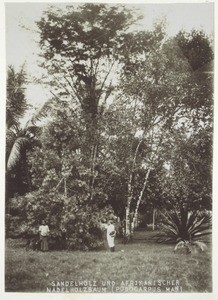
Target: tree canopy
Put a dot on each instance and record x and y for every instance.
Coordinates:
(130, 119)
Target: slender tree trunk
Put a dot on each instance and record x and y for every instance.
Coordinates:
(140, 198)
(128, 227)
(129, 200)
(127, 224)
(65, 187)
(153, 219)
(93, 171)
(135, 215)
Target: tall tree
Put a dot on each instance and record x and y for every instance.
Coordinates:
(16, 106)
(196, 47)
(188, 177)
(162, 92)
(19, 138)
(190, 162)
(80, 47)
(154, 83)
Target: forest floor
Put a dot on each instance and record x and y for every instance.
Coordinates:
(141, 266)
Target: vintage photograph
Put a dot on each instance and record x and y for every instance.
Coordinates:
(109, 147)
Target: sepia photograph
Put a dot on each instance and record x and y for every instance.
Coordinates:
(109, 147)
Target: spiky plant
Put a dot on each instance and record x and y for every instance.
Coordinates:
(185, 228)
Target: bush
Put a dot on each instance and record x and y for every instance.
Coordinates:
(27, 212)
(83, 225)
(185, 228)
(81, 220)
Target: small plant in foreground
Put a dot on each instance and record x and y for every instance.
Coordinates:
(185, 228)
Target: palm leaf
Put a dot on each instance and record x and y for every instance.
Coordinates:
(192, 215)
(40, 113)
(184, 226)
(200, 226)
(200, 234)
(16, 105)
(180, 243)
(200, 245)
(15, 152)
(10, 138)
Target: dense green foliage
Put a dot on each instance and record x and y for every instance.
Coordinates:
(196, 48)
(82, 222)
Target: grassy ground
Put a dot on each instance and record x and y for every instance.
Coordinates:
(141, 266)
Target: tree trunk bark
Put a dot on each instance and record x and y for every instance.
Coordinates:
(128, 227)
(140, 198)
(65, 187)
(153, 223)
(128, 223)
(128, 215)
(93, 175)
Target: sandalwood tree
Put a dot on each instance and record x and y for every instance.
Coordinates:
(80, 49)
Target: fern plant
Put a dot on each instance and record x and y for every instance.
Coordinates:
(185, 228)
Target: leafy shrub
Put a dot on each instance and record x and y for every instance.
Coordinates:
(27, 212)
(83, 224)
(185, 228)
(81, 220)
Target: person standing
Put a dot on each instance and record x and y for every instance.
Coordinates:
(43, 234)
(111, 233)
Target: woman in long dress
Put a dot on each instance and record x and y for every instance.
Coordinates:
(111, 233)
(43, 234)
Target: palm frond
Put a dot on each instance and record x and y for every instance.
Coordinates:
(201, 245)
(15, 152)
(200, 234)
(16, 104)
(40, 113)
(184, 228)
(178, 245)
(200, 226)
(10, 135)
(192, 218)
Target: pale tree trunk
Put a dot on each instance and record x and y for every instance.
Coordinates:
(128, 215)
(135, 216)
(128, 229)
(130, 188)
(153, 219)
(65, 187)
(93, 172)
(128, 223)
